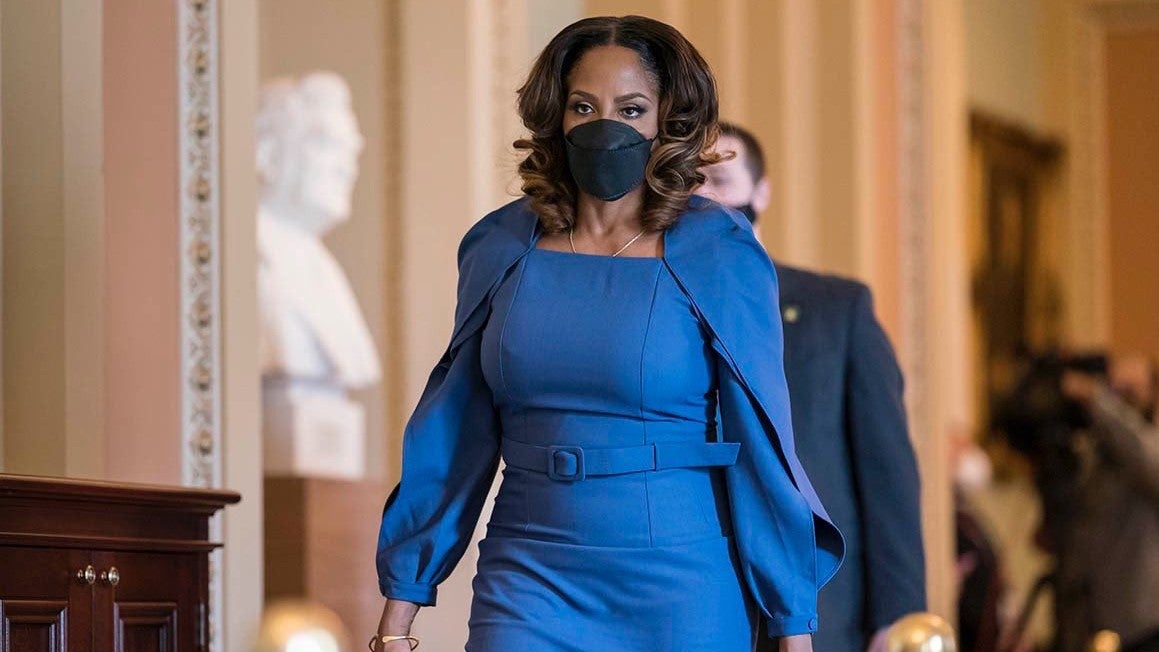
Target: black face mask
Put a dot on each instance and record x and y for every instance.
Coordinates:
(607, 158)
(747, 211)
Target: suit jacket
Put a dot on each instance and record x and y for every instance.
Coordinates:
(786, 544)
(850, 425)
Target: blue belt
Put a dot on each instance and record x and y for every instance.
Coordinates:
(572, 463)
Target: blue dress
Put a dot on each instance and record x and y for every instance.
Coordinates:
(652, 499)
(604, 353)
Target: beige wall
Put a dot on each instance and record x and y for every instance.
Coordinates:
(876, 102)
(52, 122)
(1044, 64)
(82, 83)
(545, 18)
(1038, 63)
(1006, 57)
(91, 303)
(934, 345)
(1133, 187)
(352, 38)
(241, 525)
(33, 259)
(143, 297)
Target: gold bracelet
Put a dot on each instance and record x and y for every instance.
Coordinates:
(411, 640)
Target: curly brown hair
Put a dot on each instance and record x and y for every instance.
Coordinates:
(688, 112)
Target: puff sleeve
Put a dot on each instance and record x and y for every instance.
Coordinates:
(450, 454)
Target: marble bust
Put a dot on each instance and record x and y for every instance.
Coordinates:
(315, 346)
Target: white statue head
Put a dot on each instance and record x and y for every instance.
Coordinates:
(307, 150)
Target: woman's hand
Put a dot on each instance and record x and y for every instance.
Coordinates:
(798, 643)
(397, 617)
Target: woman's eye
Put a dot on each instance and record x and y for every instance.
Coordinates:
(582, 108)
(632, 111)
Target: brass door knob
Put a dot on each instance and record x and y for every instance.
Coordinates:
(111, 576)
(87, 575)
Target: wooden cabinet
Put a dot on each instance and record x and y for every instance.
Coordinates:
(103, 567)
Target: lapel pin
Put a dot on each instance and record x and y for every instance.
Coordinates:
(791, 314)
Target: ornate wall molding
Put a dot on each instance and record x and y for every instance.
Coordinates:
(913, 228)
(200, 246)
(933, 272)
(933, 317)
(200, 254)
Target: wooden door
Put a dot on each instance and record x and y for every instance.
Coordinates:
(151, 600)
(44, 605)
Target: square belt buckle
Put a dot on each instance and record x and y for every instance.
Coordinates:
(565, 463)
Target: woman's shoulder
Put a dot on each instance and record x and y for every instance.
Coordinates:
(509, 227)
(704, 215)
(488, 249)
(717, 240)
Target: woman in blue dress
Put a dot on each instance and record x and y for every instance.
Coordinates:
(617, 344)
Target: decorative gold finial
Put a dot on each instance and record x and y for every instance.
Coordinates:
(921, 632)
(292, 625)
(1105, 641)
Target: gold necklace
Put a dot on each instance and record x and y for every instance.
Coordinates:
(571, 240)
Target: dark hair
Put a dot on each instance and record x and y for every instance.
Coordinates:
(687, 118)
(753, 155)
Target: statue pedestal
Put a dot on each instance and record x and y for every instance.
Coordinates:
(320, 538)
(312, 430)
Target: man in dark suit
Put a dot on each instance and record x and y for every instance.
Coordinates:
(850, 427)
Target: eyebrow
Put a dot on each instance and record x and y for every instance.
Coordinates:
(623, 98)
